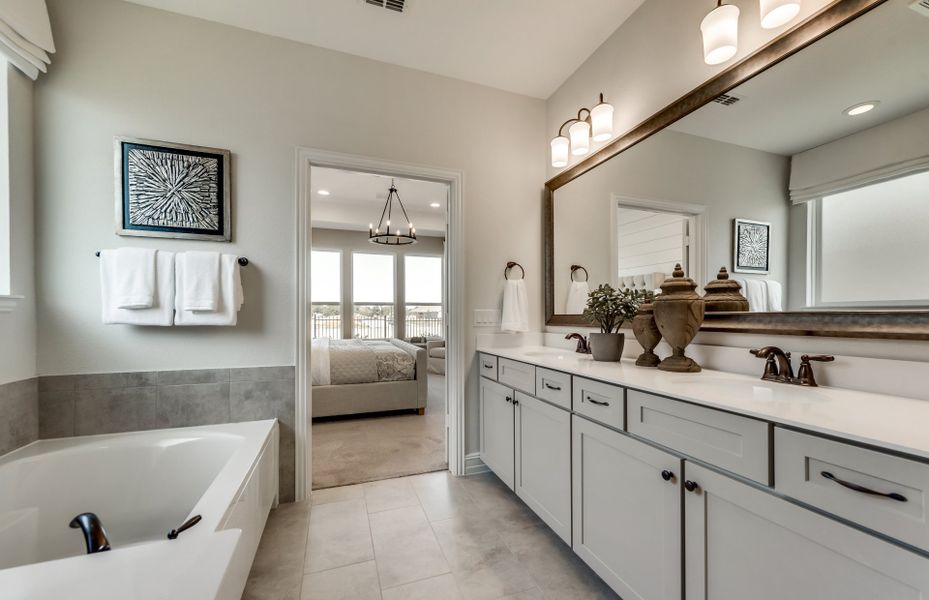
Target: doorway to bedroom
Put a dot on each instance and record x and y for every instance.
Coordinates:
(377, 326)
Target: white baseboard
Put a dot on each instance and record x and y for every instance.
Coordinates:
(474, 464)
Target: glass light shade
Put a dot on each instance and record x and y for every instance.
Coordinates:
(602, 118)
(775, 13)
(720, 34)
(560, 151)
(579, 132)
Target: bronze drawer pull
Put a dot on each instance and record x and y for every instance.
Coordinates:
(862, 489)
(597, 402)
(552, 387)
(488, 365)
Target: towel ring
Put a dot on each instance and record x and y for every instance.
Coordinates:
(579, 268)
(243, 262)
(510, 265)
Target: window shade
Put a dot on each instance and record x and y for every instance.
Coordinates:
(26, 35)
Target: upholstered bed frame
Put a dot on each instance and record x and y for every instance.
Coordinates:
(357, 398)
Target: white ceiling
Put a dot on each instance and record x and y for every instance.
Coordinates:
(525, 46)
(356, 200)
(798, 104)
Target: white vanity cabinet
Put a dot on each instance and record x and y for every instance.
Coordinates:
(498, 430)
(627, 512)
(741, 542)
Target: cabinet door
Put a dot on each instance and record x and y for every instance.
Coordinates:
(741, 542)
(497, 443)
(543, 462)
(627, 516)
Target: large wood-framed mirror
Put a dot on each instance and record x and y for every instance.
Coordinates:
(821, 211)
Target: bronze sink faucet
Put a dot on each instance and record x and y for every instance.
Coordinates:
(778, 367)
(582, 346)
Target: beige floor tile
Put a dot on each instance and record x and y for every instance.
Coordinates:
(339, 535)
(504, 577)
(533, 594)
(442, 587)
(442, 495)
(337, 494)
(469, 545)
(354, 582)
(405, 547)
(277, 571)
(389, 494)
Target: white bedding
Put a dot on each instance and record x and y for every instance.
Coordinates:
(319, 362)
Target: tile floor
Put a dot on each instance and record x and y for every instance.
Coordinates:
(429, 537)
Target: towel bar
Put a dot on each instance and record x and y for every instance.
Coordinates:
(241, 260)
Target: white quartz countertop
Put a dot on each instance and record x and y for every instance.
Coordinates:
(889, 422)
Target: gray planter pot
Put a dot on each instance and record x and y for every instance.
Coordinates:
(607, 347)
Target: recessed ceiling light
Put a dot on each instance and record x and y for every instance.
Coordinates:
(435, 205)
(322, 192)
(860, 109)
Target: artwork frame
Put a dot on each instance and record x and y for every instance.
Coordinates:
(751, 246)
(141, 210)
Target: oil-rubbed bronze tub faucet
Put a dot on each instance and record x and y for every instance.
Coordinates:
(778, 368)
(582, 346)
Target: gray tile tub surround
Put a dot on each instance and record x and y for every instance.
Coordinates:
(70, 405)
(19, 414)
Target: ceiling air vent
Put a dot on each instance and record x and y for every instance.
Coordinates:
(726, 99)
(921, 6)
(394, 5)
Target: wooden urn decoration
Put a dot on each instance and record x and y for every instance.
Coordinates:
(647, 334)
(724, 294)
(678, 314)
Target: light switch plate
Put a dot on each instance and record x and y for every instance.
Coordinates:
(486, 317)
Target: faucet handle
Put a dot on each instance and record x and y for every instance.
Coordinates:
(805, 374)
(817, 357)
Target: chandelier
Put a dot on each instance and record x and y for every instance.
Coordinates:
(382, 234)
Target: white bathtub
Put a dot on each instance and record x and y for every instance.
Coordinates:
(141, 485)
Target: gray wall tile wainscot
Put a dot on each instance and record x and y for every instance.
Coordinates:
(71, 405)
(19, 414)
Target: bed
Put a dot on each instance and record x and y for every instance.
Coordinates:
(352, 377)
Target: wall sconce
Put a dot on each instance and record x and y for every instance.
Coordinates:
(720, 31)
(597, 123)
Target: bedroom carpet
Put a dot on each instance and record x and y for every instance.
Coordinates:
(356, 450)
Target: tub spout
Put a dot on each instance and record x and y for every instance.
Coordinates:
(94, 533)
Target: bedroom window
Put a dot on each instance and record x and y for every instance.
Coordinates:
(423, 296)
(373, 293)
(326, 294)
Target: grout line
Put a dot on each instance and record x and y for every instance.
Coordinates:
(377, 572)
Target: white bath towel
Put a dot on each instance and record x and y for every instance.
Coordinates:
(231, 297)
(133, 284)
(161, 313)
(319, 362)
(515, 317)
(200, 284)
(757, 293)
(577, 298)
(775, 296)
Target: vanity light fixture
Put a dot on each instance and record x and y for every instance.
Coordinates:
(597, 123)
(861, 108)
(322, 192)
(435, 205)
(775, 13)
(720, 31)
(382, 233)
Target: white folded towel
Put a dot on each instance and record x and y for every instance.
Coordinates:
(231, 297)
(133, 284)
(160, 314)
(320, 373)
(515, 316)
(200, 285)
(775, 296)
(757, 293)
(577, 298)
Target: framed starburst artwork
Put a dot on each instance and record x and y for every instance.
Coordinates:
(172, 190)
(752, 246)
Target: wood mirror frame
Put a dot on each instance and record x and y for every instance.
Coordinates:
(886, 324)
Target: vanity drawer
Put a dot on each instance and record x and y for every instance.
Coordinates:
(553, 386)
(516, 375)
(735, 443)
(801, 459)
(599, 401)
(488, 366)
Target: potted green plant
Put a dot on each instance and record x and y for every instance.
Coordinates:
(610, 308)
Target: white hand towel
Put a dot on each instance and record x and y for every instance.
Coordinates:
(231, 297)
(320, 373)
(775, 296)
(200, 285)
(134, 281)
(577, 298)
(757, 294)
(160, 314)
(515, 317)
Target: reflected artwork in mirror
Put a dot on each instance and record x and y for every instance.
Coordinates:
(818, 208)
